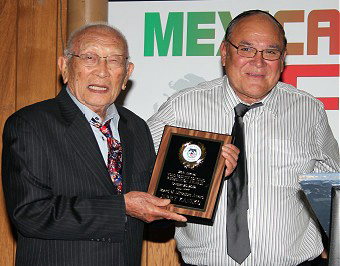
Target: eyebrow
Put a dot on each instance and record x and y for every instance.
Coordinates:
(272, 46)
(93, 52)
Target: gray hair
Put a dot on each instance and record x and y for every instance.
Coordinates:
(97, 25)
(249, 13)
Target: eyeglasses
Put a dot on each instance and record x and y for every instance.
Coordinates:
(90, 59)
(250, 52)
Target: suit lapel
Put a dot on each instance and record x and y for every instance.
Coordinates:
(82, 140)
(127, 142)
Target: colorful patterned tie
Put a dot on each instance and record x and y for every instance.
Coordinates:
(115, 153)
(237, 225)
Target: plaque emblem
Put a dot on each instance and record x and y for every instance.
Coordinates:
(192, 155)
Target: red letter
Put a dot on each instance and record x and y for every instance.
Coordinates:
(314, 31)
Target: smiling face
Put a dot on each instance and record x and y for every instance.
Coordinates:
(253, 78)
(97, 87)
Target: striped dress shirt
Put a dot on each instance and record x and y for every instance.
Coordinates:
(285, 137)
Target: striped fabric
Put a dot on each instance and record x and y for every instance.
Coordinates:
(286, 136)
(59, 194)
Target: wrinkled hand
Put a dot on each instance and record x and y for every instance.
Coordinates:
(230, 153)
(149, 208)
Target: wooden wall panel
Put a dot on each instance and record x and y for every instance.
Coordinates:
(85, 11)
(30, 42)
(8, 17)
(37, 39)
(159, 247)
(61, 38)
(162, 253)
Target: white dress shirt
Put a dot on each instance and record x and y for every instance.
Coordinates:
(285, 137)
(111, 113)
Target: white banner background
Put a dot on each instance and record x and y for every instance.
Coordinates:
(156, 77)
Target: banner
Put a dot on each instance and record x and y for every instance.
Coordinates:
(175, 45)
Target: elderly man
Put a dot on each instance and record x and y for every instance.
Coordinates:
(286, 133)
(74, 167)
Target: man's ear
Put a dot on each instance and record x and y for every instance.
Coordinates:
(283, 58)
(129, 71)
(62, 63)
(223, 51)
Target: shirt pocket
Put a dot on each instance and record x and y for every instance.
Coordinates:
(289, 158)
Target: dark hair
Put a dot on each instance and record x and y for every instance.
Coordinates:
(249, 13)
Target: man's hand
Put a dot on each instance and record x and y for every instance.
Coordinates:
(149, 208)
(324, 254)
(230, 153)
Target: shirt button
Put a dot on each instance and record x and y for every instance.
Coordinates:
(103, 138)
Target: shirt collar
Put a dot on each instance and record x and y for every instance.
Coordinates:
(231, 99)
(111, 112)
(270, 101)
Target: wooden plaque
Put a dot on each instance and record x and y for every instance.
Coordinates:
(188, 170)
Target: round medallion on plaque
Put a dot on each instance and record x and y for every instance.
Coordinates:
(192, 155)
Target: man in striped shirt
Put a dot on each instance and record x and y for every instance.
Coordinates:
(286, 136)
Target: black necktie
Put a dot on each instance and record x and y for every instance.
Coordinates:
(237, 224)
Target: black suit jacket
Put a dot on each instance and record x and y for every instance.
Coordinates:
(58, 191)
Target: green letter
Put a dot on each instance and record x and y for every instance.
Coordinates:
(153, 27)
(225, 18)
(194, 33)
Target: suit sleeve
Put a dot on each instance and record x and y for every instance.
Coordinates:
(35, 210)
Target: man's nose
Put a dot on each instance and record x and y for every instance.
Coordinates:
(258, 60)
(102, 68)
